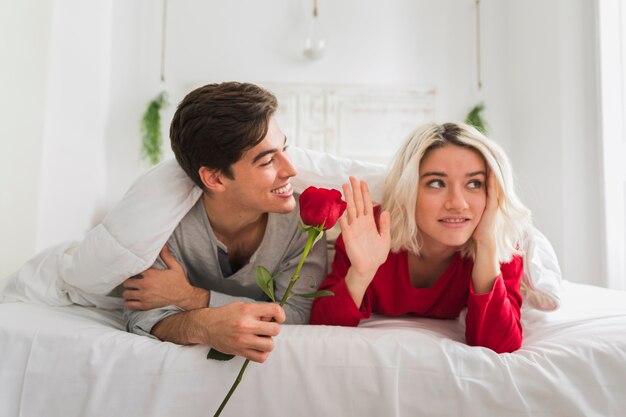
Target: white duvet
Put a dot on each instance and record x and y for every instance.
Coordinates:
(78, 362)
(130, 237)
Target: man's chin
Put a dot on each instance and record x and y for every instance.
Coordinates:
(284, 207)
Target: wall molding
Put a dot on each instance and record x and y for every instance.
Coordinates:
(360, 122)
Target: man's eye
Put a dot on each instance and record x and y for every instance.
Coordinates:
(435, 184)
(475, 184)
(264, 164)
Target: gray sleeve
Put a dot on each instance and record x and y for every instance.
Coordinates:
(312, 274)
(142, 322)
(219, 299)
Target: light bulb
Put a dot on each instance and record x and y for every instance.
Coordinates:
(314, 44)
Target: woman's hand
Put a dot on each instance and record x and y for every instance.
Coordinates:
(367, 244)
(484, 233)
(486, 266)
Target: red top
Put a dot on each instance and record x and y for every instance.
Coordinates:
(492, 321)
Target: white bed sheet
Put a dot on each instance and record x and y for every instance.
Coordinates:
(78, 361)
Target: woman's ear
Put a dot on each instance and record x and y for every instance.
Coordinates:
(212, 179)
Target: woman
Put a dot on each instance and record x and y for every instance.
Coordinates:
(452, 221)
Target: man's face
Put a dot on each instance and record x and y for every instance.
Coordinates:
(261, 177)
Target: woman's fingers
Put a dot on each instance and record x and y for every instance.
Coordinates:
(358, 199)
(348, 197)
(357, 195)
(385, 225)
(343, 222)
(367, 199)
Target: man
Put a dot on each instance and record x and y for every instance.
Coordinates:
(202, 290)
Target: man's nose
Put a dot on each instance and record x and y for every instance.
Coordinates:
(287, 169)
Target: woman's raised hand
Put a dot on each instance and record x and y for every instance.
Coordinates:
(367, 244)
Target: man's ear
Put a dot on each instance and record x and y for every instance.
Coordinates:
(212, 179)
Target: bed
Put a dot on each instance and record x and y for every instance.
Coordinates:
(64, 351)
(79, 361)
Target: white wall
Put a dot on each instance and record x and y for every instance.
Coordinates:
(538, 84)
(554, 127)
(405, 43)
(135, 79)
(55, 83)
(24, 57)
(73, 159)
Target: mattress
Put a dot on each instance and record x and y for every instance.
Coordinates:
(78, 361)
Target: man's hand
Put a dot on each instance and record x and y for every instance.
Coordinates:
(237, 328)
(156, 288)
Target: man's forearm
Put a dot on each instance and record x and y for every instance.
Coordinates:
(198, 298)
(183, 328)
(237, 328)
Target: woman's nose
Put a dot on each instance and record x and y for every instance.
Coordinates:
(456, 200)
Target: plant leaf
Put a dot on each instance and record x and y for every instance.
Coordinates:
(316, 294)
(151, 129)
(219, 356)
(265, 281)
(475, 118)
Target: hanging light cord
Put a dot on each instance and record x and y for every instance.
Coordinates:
(314, 8)
(478, 72)
(163, 31)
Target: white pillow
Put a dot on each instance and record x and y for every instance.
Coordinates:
(131, 236)
(541, 282)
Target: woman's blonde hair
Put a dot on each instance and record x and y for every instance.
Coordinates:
(401, 188)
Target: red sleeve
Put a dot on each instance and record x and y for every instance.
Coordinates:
(339, 309)
(493, 318)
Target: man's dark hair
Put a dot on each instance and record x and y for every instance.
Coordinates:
(214, 125)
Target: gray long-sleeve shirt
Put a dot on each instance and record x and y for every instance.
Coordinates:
(195, 246)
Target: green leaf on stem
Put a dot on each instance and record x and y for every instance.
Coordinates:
(219, 356)
(316, 294)
(265, 281)
(319, 235)
(318, 229)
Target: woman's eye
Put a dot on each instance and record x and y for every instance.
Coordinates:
(475, 184)
(435, 184)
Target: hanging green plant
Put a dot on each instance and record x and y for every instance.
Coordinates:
(475, 118)
(151, 140)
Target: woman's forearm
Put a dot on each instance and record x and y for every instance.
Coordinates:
(357, 284)
(486, 268)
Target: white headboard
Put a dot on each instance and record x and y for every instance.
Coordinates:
(359, 122)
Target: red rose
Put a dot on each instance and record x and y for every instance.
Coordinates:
(319, 209)
(320, 206)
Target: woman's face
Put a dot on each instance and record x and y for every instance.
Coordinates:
(451, 196)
